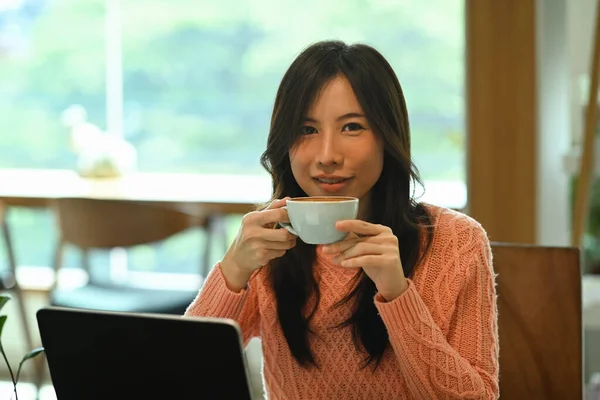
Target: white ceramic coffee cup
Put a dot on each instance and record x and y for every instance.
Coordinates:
(313, 219)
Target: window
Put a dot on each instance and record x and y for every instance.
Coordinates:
(199, 87)
(191, 84)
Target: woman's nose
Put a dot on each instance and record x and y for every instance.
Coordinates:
(329, 150)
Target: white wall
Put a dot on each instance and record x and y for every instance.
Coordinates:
(564, 29)
(580, 30)
(553, 122)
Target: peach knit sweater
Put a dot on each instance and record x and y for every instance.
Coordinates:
(443, 329)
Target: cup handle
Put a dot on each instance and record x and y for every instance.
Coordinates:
(287, 225)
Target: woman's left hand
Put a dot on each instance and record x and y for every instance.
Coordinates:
(374, 248)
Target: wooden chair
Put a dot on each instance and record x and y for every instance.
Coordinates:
(539, 321)
(106, 224)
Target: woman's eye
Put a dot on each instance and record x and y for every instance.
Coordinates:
(352, 126)
(307, 130)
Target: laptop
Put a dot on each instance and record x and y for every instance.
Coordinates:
(114, 355)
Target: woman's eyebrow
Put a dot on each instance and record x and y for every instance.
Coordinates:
(340, 118)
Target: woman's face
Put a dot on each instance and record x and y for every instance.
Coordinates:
(338, 153)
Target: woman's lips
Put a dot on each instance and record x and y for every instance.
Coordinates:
(332, 185)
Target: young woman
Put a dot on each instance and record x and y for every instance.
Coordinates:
(405, 307)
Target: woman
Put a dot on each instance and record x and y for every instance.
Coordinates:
(404, 308)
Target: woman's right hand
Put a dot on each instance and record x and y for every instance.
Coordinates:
(256, 244)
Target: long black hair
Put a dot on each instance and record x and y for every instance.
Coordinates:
(380, 96)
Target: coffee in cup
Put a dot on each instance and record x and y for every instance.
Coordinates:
(313, 219)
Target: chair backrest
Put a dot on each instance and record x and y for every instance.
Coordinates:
(539, 321)
(104, 224)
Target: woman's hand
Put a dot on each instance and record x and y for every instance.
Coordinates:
(374, 248)
(256, 244)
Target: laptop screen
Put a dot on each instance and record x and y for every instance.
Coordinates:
(103, 355)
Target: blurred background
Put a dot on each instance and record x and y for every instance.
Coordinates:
(192, 85)
(183, 90)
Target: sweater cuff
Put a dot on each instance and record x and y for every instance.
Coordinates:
(216, 299)
(406, 308)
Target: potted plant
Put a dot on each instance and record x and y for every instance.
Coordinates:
(14, 377)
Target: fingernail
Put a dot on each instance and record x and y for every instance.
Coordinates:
(336, 259)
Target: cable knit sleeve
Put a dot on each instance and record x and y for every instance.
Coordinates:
(454, 354)
(215, 299)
